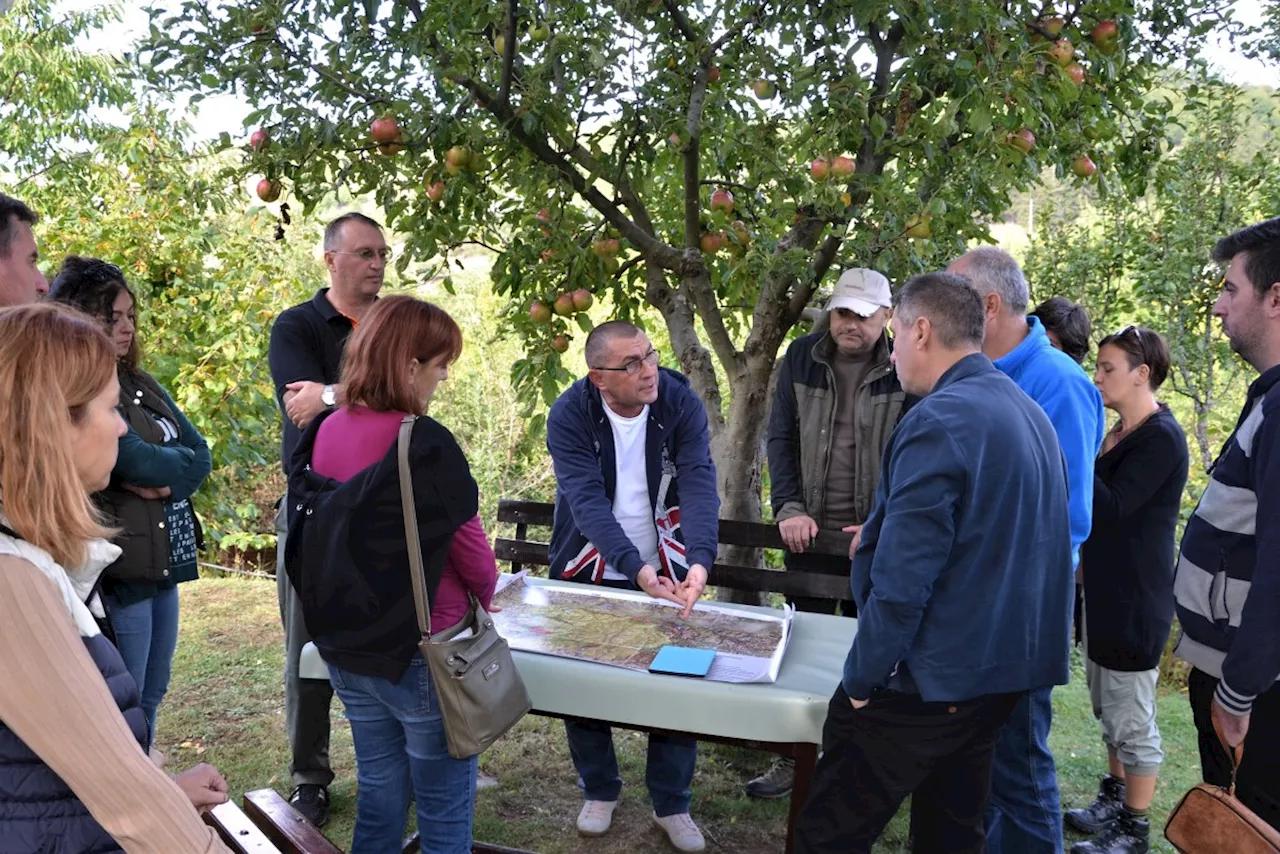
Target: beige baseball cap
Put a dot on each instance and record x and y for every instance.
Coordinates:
(862, 291)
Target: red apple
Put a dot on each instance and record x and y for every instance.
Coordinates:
(820, 169)
(713, 75)
(764, 89)
(1062, 52)
(389, 148)
(385, 130)
(1083, 166)
(1024, 140)
(435, 191)
(582, 299)
(741, 234)
(564, 305)
(918, 227)
(548, 254)
(711, 242)
(560, 344)
(842, 167)
(268, 190)
(722, 200)
(1106, 36)
(674, 139)
(259, 140)
(544, 216)
(539, 312)
(1076, 72)
(606, 247)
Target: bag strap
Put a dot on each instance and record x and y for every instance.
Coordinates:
(1236, 754)
(421, 603)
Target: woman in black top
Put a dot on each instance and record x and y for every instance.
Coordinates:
(1128, 564)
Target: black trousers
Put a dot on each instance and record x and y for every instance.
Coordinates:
(827, 565)
(1258, 783)
(899, 745)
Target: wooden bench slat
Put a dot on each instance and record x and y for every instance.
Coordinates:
(525, 512)
(284, 825)
(237, 832)
(755, 579)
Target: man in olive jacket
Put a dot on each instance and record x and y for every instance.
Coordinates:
(836, 402)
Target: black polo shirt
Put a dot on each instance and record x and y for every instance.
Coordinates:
(306, 344)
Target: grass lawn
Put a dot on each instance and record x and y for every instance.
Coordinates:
(225, 706)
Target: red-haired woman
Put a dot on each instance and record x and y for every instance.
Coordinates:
(347, 556)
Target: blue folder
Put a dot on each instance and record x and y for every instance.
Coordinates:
(682, 661)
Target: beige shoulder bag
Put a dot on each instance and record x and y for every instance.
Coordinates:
(480, 691)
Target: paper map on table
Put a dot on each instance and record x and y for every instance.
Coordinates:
(611, 627)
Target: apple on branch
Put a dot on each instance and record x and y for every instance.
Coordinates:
(764, 89)
(385, 130)
(919, 228)
(1106, 36)
(1063, 52)
(564, 305)
(1076, 72)
(1023, 140)
(560, 344)
(711, 242)
(268, 190)
(722, 201)
(539, 312)
(435, 191)
(259, 140)
(842, 167)
(1083, 166)
(582, 299)
(819, 169)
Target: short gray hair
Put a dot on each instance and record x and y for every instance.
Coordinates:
(951, 304)
(603, 335)
(333, 229)
(993, 271)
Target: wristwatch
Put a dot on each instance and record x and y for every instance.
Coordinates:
(328, 397)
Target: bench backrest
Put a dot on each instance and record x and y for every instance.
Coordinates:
(521, 550)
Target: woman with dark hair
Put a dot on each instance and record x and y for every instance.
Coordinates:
(1128, 568)
(73, 775)
(1067, 325)
(163, 459)
(347, 556)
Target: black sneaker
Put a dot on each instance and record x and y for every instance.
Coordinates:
(1104, 809)
(776, 782)
(313, 802)
(1128, 834)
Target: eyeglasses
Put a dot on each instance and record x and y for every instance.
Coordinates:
(634, 366)
(367, 255)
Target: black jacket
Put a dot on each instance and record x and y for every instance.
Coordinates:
(1128, 558)
(346, 554)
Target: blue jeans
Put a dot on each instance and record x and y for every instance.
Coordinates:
(401, 754)
(668, 772)
(147, 636)
(1025, 814)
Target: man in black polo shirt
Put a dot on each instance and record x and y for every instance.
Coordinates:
(305, 355)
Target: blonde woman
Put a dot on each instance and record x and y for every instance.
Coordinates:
(73, 773)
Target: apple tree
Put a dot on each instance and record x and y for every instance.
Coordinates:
(710, 161)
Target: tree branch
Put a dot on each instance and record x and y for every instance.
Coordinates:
(696, 280)
(682, 22)
(693, 357)
(508, 53)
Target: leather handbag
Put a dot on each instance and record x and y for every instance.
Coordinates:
(480, 691)
(1209, 819)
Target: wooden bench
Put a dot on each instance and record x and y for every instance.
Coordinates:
(521, 550)
(270, 825)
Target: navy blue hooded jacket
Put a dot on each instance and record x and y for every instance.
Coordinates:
(963, 576)
(580, 441)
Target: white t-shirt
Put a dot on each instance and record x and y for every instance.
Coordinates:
(631, 505)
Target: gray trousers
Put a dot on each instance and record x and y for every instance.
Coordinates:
(306, 701)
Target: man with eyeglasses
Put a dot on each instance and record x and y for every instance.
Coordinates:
(636, 507)
(835, 403)
(305, 357)
(21, 281)
(1227, 583)
(1025, 814)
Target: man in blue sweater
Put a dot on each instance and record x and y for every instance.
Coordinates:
(1025, 816)
(1228, 577)
(636, 506)
(962, 581)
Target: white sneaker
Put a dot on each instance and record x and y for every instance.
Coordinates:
(682, 832)
(596, 817)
